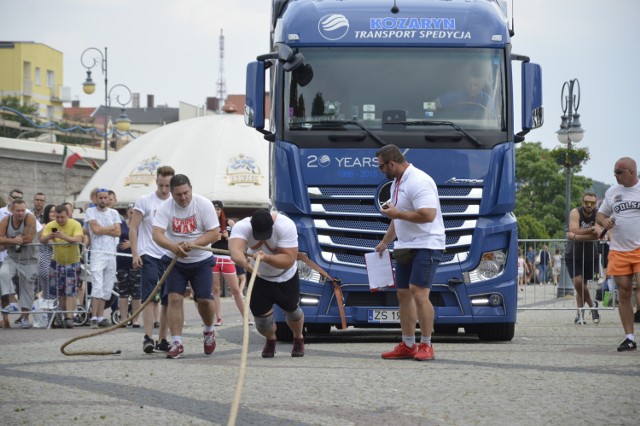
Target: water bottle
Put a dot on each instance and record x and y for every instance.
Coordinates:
(18, 248)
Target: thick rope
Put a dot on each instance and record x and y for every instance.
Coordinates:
(118, 325)
(233, 413)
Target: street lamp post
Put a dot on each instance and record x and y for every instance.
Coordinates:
(96, 56)
(571, 131)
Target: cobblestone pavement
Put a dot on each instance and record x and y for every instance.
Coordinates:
(553, 372)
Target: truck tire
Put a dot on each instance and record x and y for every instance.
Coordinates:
(283, 332)
(318, 328)
(502, 332)
(446, 329)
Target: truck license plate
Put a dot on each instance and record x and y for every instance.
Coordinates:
(380, 315)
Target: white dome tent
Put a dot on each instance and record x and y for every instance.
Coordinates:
(224, 159)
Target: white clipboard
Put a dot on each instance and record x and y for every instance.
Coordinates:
(379, 270)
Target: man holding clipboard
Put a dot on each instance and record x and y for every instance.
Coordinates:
(416, 222)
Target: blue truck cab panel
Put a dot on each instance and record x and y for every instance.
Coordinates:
(435, 79)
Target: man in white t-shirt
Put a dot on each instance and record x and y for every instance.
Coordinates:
(183, 221)
(104, 230)
(620, 214)
(416, 221)
(147, 256)
(274, 238)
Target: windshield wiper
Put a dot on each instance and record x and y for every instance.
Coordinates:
(343, 123)
(440, 123)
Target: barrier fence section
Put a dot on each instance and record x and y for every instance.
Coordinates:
(33, 277)
(546, 281)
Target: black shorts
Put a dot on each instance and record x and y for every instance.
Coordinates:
(128, 281)
(267, 293)
(576, 267)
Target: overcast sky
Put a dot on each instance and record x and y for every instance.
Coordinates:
(169, 48)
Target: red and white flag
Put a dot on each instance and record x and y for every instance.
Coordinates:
(69, 158)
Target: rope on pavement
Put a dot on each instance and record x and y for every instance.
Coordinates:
(233, 413)
(122, 323)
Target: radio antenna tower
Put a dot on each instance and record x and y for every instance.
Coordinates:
(222, 86)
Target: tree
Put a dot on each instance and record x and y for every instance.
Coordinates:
(540, 195)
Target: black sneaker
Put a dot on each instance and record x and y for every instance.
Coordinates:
(595, 315)
(147, 344)
(627, 345)
(163, 345)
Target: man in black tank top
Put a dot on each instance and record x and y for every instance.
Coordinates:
(581, 254)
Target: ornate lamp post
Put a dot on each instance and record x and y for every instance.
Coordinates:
(570, 132)
(123, 123)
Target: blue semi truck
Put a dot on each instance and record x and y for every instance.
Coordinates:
(433, 77)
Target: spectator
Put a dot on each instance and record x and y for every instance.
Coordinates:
(556, 265)
(543, 266)
(147, 256)
(65, 264)
(581, 254)
(128, 277)
(14, 194)
(104, 228)
(184, 220)
(45, 255)
(531, 259)
(522, 269)
(224, 272)
(39, 201)
(18, 229)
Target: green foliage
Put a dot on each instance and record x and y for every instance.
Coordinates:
(541, 187)
(13, 102)
(574, 158)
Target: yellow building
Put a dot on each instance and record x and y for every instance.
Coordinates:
(33, 72)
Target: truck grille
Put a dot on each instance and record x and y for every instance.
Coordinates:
(349, 225)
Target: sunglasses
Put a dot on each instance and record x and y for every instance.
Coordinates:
(619, 171)
(589, 203)
(381, 165)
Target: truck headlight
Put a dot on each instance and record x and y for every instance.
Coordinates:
(307, 273)
(491, 266)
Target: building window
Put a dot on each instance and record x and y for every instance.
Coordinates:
(37, 76)
(50, 79)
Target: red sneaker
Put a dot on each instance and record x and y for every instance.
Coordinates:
(176, 350)
(269, 348)
(424, 352)
(401, 351)
(209, 343)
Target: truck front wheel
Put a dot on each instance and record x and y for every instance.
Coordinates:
(502, 332)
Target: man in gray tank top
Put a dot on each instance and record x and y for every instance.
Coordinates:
(16, 231)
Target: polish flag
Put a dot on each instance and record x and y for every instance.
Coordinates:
(69, 158)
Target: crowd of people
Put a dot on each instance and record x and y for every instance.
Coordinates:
(171, 226)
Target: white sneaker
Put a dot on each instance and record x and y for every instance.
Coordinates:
(11, 308)
(24, 323)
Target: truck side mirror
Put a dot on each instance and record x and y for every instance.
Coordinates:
(532, 110)
(254, 103)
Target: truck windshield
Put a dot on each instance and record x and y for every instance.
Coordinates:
(399, 89)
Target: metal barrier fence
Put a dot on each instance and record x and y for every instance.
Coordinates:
(32, 272)
(548, 285)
